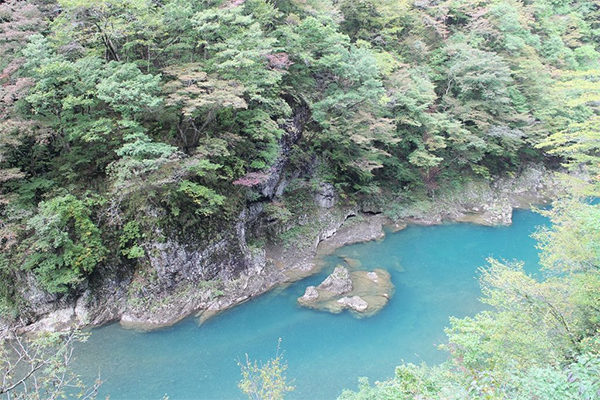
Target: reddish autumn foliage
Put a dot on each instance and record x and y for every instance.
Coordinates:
(233, 3)
(251, 179)
(18, 21)
(279, 60)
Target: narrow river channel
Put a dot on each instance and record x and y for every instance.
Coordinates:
(434, 270)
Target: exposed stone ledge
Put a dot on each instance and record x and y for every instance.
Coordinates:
(479, 202)
(486, 203)
(356, 229)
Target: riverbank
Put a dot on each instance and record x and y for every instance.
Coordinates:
(329, 226)
(434, 270)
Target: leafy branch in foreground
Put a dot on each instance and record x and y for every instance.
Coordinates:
(40, 368)
(265, 381)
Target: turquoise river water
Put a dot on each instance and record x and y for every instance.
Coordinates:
(434, 270)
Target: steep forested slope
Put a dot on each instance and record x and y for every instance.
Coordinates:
(126, 122)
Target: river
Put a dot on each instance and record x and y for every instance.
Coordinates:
(434, 270)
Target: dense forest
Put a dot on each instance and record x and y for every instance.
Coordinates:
(124, 121)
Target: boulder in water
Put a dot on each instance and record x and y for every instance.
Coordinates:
(364, 293)
(356, 303)
(310, 294)
(338, 282)
(373, 276)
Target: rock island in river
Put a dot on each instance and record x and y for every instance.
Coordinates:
(364, 293)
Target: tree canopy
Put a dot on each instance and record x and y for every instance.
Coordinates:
(130, 120)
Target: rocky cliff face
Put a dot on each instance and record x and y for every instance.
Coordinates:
(179, 276)
(181, 279)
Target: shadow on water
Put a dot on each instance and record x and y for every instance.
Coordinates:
(434, 270)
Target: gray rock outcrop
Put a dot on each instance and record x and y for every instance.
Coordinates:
(338, 282)
(355, 303)
(325, 196)
(310, 294)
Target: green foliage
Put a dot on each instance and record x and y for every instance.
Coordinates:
(40, 367)
(65, 245)
(116, 29)
(410, 382)
(177, 112)
(207, 200)
(128, 240)
(579, 380)
(161, 110)
(238, 47)
(531, 325)
(539, 337)
(139, 157)
(524, 346)
(9, 308)
(278, 213)
(577, 123)
(265, 381)
(480, 81)
(572, 243)
(128, 91)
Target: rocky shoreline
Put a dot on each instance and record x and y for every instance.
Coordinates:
(272, 265)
